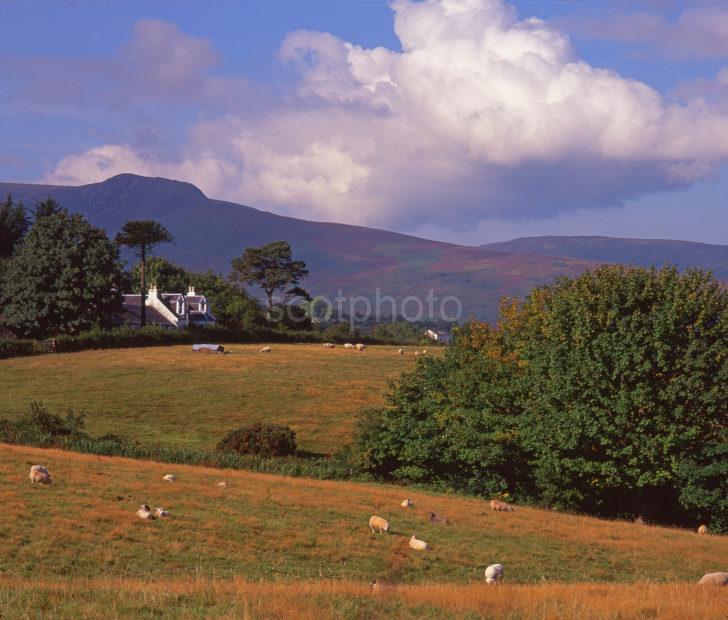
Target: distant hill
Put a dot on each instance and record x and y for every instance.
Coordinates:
(353, 259)
(644, 252)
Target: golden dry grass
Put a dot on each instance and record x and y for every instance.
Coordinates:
(174, 396)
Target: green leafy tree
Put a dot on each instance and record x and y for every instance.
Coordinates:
(63, 278)
(232, 306)
(142, 236)
(273, 269)
(13, 226)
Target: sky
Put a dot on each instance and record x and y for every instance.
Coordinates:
(469, 121)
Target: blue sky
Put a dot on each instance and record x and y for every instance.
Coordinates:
(461, 120)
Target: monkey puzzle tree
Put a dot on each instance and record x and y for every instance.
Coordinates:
(142, 236)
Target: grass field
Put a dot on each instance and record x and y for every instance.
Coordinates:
(174, 396)
(288, 533)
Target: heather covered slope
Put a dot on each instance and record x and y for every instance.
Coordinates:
(353, 259)
(642, 252)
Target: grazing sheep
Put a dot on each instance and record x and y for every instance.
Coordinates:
(494, 573)
(161, 513)
(407, 503)
(400, 351)
(435, 519)
(417, 544)
(265, 350)
(329, 345)
(417, 353)
(424, 351)
(223, 485)
(703, 530)
(348, 345)
(714, 579)
(40, 474)
(359, 346)
(170, 478)
(379, 525)
(144, 512)
(496, 504)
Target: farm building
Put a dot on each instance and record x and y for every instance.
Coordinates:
(173, 310)
(437, 336)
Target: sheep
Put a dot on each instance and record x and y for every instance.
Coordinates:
(424, 352)
(400, 351)
(223, 485)
(161, 513)
(329, 345)
(703, 530)
(359, 346)
(407, 503)
(494, 573)
(417, 353)
(265, 350)
(169, 478)
(496, 504)
(435, 519)
(40, 474)
(145, 512)
(378, 525)
(379, 588)
(714, 579)
(417, 544)
(348, 345)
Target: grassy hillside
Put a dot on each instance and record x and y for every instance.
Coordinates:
(70, 548)
(175, 396)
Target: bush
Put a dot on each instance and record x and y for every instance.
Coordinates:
(38, 424)
(15, 348)
(261, 439)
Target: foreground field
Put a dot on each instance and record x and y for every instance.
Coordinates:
(174, 396)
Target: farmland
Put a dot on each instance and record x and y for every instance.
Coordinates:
(257, 547)
(174, 396)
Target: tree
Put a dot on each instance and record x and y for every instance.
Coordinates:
(13, 226)
(271, 267)
(63, 278)
(142, 236)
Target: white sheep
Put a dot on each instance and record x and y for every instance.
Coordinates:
(359, 346)
(496, 504)
(494, 573)
(40, 474)
(424, 351)
(223, 485)
(703, 530)
(144, 512)
(417, 353)
(348, 345)
(161, 513)
(378, 525)
(265, 350)
(169, 478)
(417, 544)
(407, 503)
(714, 579)
(329, 345)
(400, 351)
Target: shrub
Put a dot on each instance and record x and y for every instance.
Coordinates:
(15, 348)
(261, 439)
(38, 424)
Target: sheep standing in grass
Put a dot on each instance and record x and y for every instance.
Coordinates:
(359, 346)
(434, 518)
(265, 350)
(417, 544)
(500, 506)
(40, 474)
(400, 351)
(703, 530)
(714, 579)
(378, 525)
(417, 353)
(348, 345)
(329, 345)
(169, 478)
(145, 512)
(223, 485)
(407, 503)
(494, 573)
(161, 513)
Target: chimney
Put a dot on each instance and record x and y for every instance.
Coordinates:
(191, 291)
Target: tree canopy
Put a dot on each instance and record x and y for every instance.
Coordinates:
(63, 278)
(14, 224)
(607, 393)
(273, 269)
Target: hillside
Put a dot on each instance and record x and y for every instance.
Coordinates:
(643, 252)
(74, 546)
(353, 259)
(177, 397)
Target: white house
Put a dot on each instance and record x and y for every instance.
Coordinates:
(443, 337)
(174, 310)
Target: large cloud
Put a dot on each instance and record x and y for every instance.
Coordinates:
(479, 115)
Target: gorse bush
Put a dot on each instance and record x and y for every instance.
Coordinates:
(262, 439)
(607, 393)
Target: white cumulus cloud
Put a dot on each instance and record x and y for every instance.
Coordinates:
(480, 114)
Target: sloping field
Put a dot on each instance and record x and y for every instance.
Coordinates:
(292, 531)
(174, 396)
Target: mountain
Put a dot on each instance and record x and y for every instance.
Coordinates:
(356, 260)
(644, 252)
